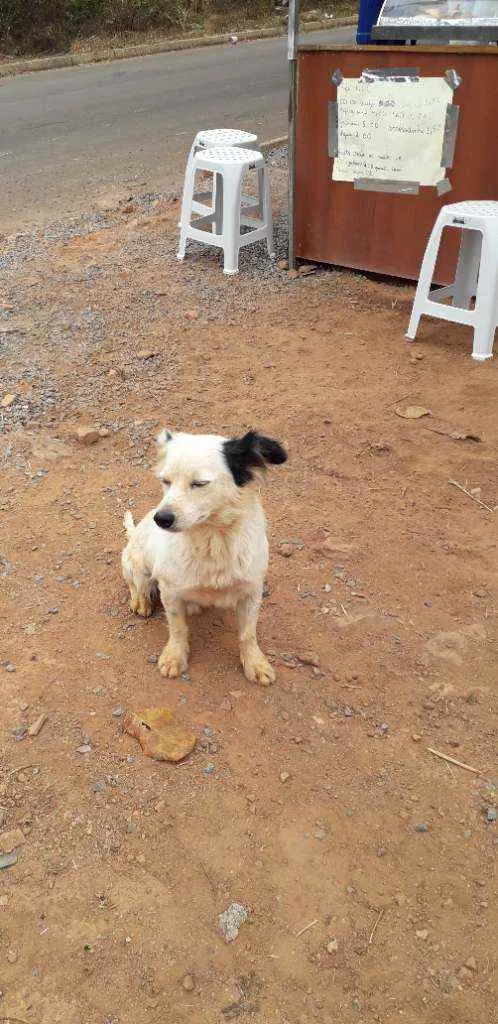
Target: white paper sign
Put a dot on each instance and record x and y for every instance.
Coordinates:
(391, 130)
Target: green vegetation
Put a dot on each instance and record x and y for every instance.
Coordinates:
(48, 26)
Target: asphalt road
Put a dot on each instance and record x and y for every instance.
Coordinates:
(72, 137)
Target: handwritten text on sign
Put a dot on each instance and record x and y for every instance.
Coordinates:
(391, 130)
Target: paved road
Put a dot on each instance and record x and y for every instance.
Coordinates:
(70, 137)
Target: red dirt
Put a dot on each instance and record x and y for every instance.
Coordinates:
(116, 894)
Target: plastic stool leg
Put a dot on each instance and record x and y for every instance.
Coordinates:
(486, 301)
(425, 279)
(193, 151)
(467, 268)
(218, 203)
(232, 182)
(186, 210)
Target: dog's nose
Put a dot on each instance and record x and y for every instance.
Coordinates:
(164, 519)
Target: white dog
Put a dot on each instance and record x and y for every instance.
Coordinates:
(206, 542)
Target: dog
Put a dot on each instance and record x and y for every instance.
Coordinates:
(205, 544)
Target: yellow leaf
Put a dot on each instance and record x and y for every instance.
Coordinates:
(412, 412)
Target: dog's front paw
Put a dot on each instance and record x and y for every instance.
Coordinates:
(142, 605)
(173, 661)
(258, 670)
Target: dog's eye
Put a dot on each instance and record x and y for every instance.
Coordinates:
(166, 483)
(199, 483)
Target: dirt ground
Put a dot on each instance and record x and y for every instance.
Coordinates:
(366, 862)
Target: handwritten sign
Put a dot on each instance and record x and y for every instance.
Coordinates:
(392, 130)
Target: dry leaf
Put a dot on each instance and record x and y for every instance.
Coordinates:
(158, 734)
(462, 436)
(412, 412)
(456, 435)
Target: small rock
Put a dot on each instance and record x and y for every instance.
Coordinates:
(12, 956)
(132, 827)
(3, 816)
(284, 776)
(7, 401)
(421, 826)
(152, 659)
(98, 787)
(7, 860)
(185, 677)
(336, 546)
(491, 814)
(209, 769)
(282, 265)
(104, 432)
(332, 945)
(10, 841)
(416, 737)
(84, 749)
(320, 833)
(471, 963)
(422, 934)
(117, 712)
(286, 550)
(191, 314)
(20, 732)
(309, 658)
(306, 269)
(4, 900)
(480, 593)
(87, 435)
(188, 983)
(37, 725)
(53, 611)
(147, 353)
(231, 920)
(293, 274)
(464, 974)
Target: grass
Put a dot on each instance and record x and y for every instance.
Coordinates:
(79, 26)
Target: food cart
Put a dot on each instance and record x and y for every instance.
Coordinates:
(384, 135)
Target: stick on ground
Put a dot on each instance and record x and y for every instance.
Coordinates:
(376, 925)
(453, 760)
(21, 768)
(470, 495)
(307, 927)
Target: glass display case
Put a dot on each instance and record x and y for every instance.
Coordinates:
(439, 20)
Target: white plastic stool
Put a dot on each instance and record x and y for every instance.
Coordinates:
(476, 274)
(207, 139)
(228, 213)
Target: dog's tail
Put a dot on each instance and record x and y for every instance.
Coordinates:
(129, 525)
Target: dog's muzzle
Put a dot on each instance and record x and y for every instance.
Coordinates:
(165, 519)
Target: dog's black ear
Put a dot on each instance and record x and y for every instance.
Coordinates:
(253, 451)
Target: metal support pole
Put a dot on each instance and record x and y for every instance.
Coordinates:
(293, 31)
